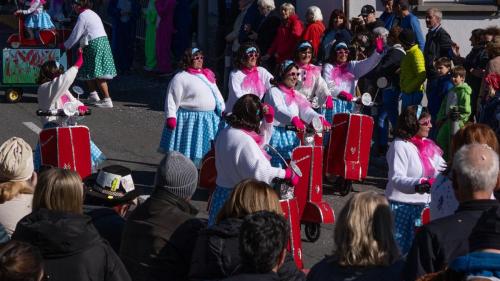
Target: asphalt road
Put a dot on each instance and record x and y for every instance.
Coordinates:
(129, 135)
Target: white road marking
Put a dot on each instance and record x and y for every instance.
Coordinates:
(32, 127)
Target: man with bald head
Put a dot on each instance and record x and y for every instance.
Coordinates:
(474, 174)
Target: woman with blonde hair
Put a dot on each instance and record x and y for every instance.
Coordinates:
(366, 249)
(17, 182)
(70, 245)
(216, 253)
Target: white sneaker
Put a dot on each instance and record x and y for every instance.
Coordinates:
(104, 103)
(93, 98)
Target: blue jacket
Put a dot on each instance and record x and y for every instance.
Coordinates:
(389, 19)
(411, 22)
(435, 98)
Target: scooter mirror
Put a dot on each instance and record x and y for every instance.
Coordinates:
(70, 109)
(317, 124)
(366, 99)
(295, 168)
(78, 90)
(382, 82)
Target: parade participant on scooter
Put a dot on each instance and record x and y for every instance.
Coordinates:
(342, 74)
(53, 93)
(311, 84)
(36, 18)
(99, 65)
(292, 108)
(239, 150)
(247, 77)
(193, 107)
(413, 159)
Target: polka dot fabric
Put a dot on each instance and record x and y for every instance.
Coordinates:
(339, 106)
(284, 141)
(218, 199)
(97, 60)
(406, 218)
(193, 135)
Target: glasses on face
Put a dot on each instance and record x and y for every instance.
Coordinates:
(252, 55)
(293, 74)
(306, 53)
(198, 57)
(342, 51)
(425, 122)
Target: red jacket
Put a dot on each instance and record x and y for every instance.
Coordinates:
(287, 38)
(313, 34)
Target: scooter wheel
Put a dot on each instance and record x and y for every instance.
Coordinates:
(13, 95)
(344, 186)
(313, 231)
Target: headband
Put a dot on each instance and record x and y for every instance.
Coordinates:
(305, 45)
(419, 111)
(286, 64)
(250, 49)
(194, 51)
(341, 45)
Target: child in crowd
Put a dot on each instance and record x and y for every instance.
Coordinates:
(444, 84)
(36, 17)
(53, 93)
(457, 101)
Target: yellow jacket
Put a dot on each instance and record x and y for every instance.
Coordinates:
(412, 74)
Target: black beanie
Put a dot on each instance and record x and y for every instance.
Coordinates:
(486, 233)
(407, 37)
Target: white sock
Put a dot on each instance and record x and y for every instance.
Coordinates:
(94, 93)
(106, 99)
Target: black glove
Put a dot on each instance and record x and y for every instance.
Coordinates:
(423, 188)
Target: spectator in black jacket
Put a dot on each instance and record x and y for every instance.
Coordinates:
(71, 247)
(262, 242)
(216, 254)
(366, 249)
(437, 44)
(266, 31)
(474, 176)
(159, 235)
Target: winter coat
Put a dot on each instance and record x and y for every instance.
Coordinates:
(442, 240)
(287, 38)
(108, 223)
(313, 33)
(267, 31)
(71, 247)
(437, 45)
(159, 237)
(252, 18)
(329, 270)
(388, 67)
(412, 75)
(216, 254)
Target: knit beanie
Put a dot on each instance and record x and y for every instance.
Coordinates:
(16, 160)
(486, 233)
(177, 174)
(407, 37)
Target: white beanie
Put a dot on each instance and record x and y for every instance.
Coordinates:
(16, 160)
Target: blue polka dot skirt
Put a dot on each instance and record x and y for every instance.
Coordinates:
(407, 217)
(218, 199)
(40, 20)
(193, 135)
(339, 106)
(284, 141)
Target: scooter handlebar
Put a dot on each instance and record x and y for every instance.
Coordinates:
(57, 112)
(309, 129)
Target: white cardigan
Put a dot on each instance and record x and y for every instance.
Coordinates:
(88, 27)
(285, 112)
(405, 171)
(238, 157)
(236, 91)
(189, 92)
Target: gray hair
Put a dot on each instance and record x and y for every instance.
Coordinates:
(267, 4)
(316, 12)
(436, 12)
(382, 31)
(475, 166)
(288, 7)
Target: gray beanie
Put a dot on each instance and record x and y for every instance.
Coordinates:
(177, 174)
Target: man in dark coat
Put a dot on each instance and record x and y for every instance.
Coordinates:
(475, 173)
(159, 235)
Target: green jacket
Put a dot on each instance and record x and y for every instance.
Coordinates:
(413, 73)
(463, 93)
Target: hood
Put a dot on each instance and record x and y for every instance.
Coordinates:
(227, 228)
(464, 87)
(57, 234)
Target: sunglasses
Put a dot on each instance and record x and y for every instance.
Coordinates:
(425, 122)
(252, 55)
(199, 57)
(342, 51)
(306, 52)
(293, 74)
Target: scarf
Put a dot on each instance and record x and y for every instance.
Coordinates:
(252, 81)
(342, 74)
(205, 71)
(292, 96)
(427, 149)
(311, 71)
(259, 140)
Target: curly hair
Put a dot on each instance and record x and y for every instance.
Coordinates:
(407, 125)
(187, 57)
(247, 113)
(304, 45)
(241, 55)
(282, 70)
(48, 71)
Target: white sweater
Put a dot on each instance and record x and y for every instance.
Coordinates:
(50, 94)
(405, 171)
(12, 211)
(88, 27)
(357, 68)
(238, 157)
(236, 91)
(285, 112)
(189, 92)
(317, 92)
